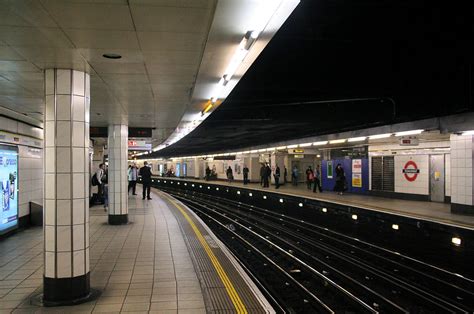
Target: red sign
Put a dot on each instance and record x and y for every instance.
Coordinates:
(411, 171)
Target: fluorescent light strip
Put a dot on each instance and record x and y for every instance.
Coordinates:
(379, 136)
(320, 143)
(337, 141)
(471, 132)
(292, 146)
(305, 144)
(357, 139)
(411, 132)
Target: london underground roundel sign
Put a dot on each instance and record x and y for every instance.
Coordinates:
(410, 171)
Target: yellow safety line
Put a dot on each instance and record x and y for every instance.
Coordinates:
(234, 296)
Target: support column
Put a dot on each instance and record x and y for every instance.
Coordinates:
(462, 178)
(118, 177)
(66, 185)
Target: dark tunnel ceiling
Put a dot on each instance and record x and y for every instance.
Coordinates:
(411, 59)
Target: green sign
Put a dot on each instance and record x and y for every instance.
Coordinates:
(329, 169)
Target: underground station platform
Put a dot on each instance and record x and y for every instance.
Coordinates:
(319, 255)
(202, 247)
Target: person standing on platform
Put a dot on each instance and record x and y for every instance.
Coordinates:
(229, 174)
(294, 176)
(245, 172)
(132, 179)
(285, 174)
(267, 175)
(145, 173)
(208, 173)
(340, 180)
(317, 180)
(262, 175)
(309, 177)
(105, 187)
(276, 176)
(100, 186)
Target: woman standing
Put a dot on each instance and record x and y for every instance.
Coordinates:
(340, 180)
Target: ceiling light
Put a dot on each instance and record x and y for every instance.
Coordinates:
(379, 136)
(292, 146)
(320, 143)
(354, 217)
(357, 139)
(111, 56)
(411, 132)
(471, 132)
(208, 107)
(395, 227)
(281, 147)
(456, 241)
(324, 210)
(337, 141)
(306, 144)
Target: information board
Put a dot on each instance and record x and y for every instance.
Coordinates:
(8, 188)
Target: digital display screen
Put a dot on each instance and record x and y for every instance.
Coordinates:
(8, 188)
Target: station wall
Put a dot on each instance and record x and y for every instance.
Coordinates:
(418, 186)
(329, 182)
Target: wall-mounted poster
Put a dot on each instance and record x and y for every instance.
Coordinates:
(357, 173)
(8, 188)
(330, 169)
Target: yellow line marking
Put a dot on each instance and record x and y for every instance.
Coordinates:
(234, 296)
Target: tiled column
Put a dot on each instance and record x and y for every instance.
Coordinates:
(462, 176)
(118, 177)
(66, 182)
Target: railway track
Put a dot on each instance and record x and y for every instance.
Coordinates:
(310, 268)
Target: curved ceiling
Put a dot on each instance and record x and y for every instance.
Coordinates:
(342, 65)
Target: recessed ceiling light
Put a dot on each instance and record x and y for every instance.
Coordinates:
(111, 56)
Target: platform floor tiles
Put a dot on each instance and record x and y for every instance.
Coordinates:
(142, 267)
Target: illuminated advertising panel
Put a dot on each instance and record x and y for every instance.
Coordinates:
(8, 188)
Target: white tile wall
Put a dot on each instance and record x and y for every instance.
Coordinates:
(461, 169)
(66, 174)
(421, 184)
(447, 174)
(118, 163)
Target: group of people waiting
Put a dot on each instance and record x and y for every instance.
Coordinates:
(100, 179)
(313, 179)
(266, 173)
(144, 173)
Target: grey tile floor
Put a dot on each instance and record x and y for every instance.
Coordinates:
(142, 267)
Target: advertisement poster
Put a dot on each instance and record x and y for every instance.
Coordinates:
(8, 187)
(357, 173)
(357, 180)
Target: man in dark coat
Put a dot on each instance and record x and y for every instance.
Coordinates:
(245, 172)
(145, 173)
(266, 178)
(262, 175)
(276, 176)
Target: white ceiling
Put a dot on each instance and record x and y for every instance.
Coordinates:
(167, 46)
